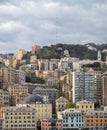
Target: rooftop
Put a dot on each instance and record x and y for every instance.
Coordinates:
(33, 99)
(19, 109)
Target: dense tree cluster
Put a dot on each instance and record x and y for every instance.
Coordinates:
(31, 78)
(75, 50)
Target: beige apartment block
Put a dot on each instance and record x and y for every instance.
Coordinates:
(19, 118)
(19, 54)
(16, 89)
(16, 98)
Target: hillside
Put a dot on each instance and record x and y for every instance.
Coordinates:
(79, 51)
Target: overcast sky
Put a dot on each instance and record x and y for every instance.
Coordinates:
(24, 23)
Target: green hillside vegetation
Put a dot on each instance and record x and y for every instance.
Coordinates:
(57, 51)
(31, 78)
(70, 105)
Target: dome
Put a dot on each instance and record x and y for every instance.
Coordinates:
(33, 99)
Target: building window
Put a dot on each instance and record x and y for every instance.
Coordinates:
(11, 125)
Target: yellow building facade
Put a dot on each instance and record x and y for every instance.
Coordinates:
(85, 106)
(43, 110)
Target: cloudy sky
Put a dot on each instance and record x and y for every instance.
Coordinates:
(24, 23)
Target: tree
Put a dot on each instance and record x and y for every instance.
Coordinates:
(70, 105)
(30, 77)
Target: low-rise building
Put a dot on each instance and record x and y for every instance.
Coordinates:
(96, 120)
(51, 124)
(61, 104)
(85, 106)
(72, 119)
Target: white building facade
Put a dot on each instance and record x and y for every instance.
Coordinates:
(72, 118)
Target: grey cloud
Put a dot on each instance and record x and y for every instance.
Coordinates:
(29, 22)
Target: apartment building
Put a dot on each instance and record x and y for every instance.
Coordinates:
(43, 109)
(72, 119)
(67, 90)
(19, 54)
(19, 77)
(16, 98)
(96, 120)
(85, 106)
(66, 63)
(61, 104)
(50, 92)
(4, 97)
(104, 89)
(98, 86)
(77, 119)
(19, 118)
(51, 124)
(83, 86)
(9, 75)
(35, 48)
(43, 64)
(17, 93)
(16, 89)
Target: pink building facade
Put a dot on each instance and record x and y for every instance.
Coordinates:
(51, 124)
